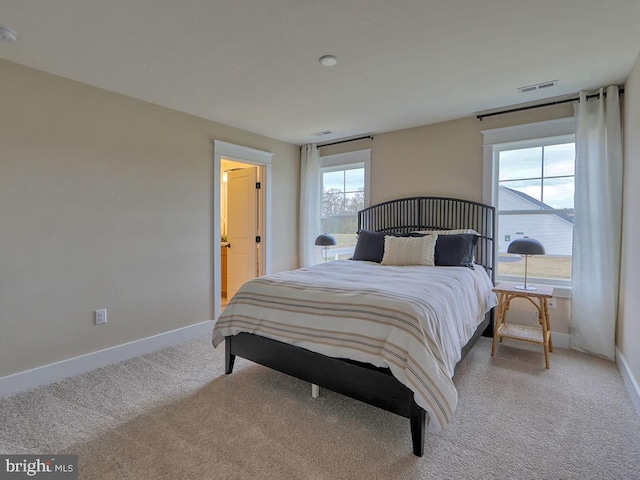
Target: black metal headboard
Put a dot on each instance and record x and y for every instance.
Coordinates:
(436, 213)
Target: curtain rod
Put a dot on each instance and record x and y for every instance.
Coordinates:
(530, 107)
(370, 137)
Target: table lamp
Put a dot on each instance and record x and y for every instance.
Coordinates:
(325, 240)
(526, 246)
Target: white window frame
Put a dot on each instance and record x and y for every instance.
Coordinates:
(522, 136)
(345, 161)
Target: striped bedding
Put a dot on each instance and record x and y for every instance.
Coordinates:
(412, 319)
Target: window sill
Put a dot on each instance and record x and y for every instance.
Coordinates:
(561, 292)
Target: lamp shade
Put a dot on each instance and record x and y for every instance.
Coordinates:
(526, 246)
(326, 239)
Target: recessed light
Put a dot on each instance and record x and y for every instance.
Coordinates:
(328, 60)
(7, 35)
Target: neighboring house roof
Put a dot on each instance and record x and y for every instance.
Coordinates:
(538, 203)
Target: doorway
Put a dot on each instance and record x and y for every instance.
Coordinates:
(241, 223)
(239, 226)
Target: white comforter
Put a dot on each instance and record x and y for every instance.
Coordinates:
(412, 319)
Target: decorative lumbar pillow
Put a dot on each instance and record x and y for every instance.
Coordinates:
(455, 250)
(370, 246)
(409, 250)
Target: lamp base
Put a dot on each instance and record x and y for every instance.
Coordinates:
(529, 288)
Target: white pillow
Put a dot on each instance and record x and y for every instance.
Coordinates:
(409, 250)
(449, 232)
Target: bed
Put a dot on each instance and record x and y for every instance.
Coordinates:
(385, 333)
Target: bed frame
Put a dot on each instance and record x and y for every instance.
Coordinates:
(373, 385)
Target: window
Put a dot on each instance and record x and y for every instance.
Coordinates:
(344, 180)
(531, 182)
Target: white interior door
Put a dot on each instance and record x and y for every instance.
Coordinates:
(242, 226)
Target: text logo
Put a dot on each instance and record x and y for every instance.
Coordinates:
(49, 467)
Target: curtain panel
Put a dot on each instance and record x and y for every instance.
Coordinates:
(597, 223)
(309, 205)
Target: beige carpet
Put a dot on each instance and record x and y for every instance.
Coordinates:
(173, 414)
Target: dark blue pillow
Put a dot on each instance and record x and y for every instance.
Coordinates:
(455, 250)
(370, 245)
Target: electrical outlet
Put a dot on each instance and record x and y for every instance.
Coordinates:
(101, 316)
(552, 303)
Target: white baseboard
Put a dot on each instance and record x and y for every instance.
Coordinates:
(560, 340)
(73, 366)
(629, 379)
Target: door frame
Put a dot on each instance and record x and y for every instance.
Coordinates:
(250, 156)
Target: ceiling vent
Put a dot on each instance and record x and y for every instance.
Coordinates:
(322, 134)
(538, 86)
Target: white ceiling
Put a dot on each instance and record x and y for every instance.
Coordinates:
(253, 64)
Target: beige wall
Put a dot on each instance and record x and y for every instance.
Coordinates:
(106, 202)
(445, 159)
(629, 308)
(439, 159)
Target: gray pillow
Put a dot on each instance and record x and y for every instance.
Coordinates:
(455, 250)
(370, 245)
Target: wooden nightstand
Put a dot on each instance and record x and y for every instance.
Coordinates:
(540, 299)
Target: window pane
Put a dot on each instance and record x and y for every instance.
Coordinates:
(539, 266)
(520, 195)
(343, 196)
(555, 232)
(353, 202)
(333, 181)
(559, 160)
(537, 179)
(521, 163)
(343, 225)
(558, 192)
(344, 229)
(332, 203)
(354, 180)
